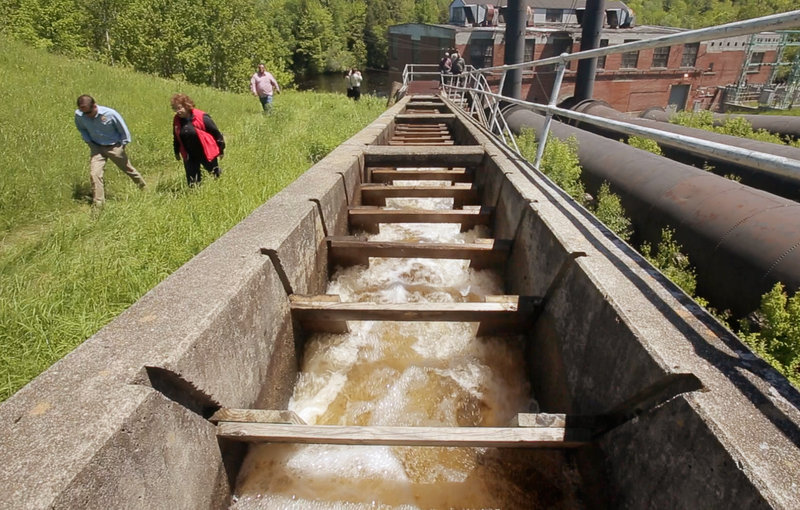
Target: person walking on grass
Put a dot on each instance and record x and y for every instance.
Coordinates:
(263, 85)
(355, 79)
(106, 134)
(196, 139)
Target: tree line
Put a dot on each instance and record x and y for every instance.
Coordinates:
(704, 13)
(218, 42)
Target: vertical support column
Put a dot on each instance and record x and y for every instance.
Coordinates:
(590, 39)
(542, 138)
(515, 47)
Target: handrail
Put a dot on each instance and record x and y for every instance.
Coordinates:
(781, 165)
(772, 22)
(493, 119)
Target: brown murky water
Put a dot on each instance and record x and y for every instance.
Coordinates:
(424, 374)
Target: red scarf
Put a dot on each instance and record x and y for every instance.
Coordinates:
(210, 147)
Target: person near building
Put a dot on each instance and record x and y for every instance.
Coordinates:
(347, 82)
(264, 85)
(196, 139)
(355, 79)
(456, 63)
(444, 67)
(105, 132)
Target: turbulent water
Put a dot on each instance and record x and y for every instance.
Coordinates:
(401, 373)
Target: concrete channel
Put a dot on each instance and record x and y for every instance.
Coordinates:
(656, 404)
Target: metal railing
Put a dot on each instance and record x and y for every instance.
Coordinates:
(471, 88)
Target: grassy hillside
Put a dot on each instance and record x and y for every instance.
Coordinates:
(66, 270)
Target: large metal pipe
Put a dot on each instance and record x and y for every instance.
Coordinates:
(515, 47)
(784, 125)
(590, 39)
(741, 240)
(783, 184)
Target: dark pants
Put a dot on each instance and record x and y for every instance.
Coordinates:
(266, 102)
(192, 166)
(356, 93)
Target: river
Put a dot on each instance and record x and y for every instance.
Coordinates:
(376, 82)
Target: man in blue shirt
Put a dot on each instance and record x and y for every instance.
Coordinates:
(105, 132)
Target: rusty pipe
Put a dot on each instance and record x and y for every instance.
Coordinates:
(741, 240)
(784, 184)
(783, 125)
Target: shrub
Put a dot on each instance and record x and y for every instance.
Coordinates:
(778, 338)
(669, 259)
(559, 161)
(645, 144)
(609, 210)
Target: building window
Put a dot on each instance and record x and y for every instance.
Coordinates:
(394, 46)
(530, 45)
(481, 53)
(689, 57)
(630, 59)
(756, 59)
(553, 15)
(601, 61)
(661, 56)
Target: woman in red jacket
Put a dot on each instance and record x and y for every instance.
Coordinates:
(196, 139)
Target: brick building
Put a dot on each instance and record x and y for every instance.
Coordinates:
(688, 76)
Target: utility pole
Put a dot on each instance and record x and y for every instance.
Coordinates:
(515, 47)
(590, 39)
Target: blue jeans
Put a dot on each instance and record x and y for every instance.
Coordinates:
(266, 102)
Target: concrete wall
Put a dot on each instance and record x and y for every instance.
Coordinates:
(121, 421)
(697, 420)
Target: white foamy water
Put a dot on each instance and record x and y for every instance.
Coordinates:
(399, 373)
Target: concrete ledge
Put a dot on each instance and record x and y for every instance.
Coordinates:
(216, 332)
(613, 324)
(161, 456)
(131, 448)
(673, 457)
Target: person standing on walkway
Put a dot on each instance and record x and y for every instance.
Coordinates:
(196, 139)
(106, 134)
(263, 85)
(457, 63)
(355, 83)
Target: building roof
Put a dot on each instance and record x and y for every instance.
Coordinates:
(547, 4)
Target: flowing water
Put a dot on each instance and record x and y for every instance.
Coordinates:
(406, 373)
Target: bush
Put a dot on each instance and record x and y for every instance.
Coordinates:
(645, 144)
(669, 259)
(609, 210)
(559, 161)
(778, 338)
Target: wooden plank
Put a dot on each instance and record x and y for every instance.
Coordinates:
(376, 194)
(425, 118)
(318, 323)
(447, 157)
(383, 175)
(492, 437)
(393, 143)
(483, 253)
(256, 416)
(368, 219)
(421, 136)
(497, 315)
(423, 140)
(421, 129)
(559, 420)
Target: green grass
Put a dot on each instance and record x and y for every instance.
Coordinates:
(65, 270)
